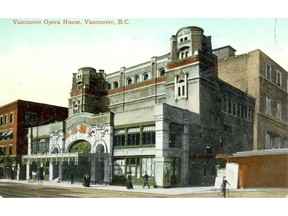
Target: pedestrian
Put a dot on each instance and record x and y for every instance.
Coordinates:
(129, 184)
(72, 177)
(88, 180)
(85, 181)
(146, 177)
(224, 185)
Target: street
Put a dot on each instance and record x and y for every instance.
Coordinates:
(14, 189)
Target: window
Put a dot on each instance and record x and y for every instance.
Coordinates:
(115, 84)
(180, 87)
(148, 166)
(129, 81)
(1, 120)
(11, 118)
(76, 106)
(269, 141)
(268, 71)
(119, 138)
(279, 110)
(145, 76)
(162, 72)
(268, 105)
(6, 119)
(10, 149)
(109, 86)
(119, 167)
(282, 142)
(137, 78)
(175, 135)
(133, 136)
(79, 85)
(148, 135)
(278, 78)
(183, 53)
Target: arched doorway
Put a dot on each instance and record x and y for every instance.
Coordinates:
(81, 146)
(83, 165)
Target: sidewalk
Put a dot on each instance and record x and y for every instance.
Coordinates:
(139, 188)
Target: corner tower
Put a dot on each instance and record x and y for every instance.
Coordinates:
(189, 46)
(89, 92)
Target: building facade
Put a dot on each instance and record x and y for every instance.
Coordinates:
(261, 77)
(168, 117)
(15, 118)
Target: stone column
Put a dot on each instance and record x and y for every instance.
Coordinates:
(27, 171)
(185, 155)
(50, 171)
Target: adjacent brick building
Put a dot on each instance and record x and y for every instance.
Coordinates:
(261, 77)
(15, 118)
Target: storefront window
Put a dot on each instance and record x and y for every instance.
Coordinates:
(119, 167)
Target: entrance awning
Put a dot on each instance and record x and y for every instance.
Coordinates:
(62, 157)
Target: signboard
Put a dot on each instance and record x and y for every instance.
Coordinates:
(232, 175)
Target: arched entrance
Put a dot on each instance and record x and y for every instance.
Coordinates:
(81, 146)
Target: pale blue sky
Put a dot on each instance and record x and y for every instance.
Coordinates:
(37, 61)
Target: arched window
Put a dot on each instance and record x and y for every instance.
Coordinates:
(100, 149)
(181, 86)
(145, 76)
(109, 86)
(161, 72)
(128, 81)
(115, 84)
(184, 52)
(137, 78)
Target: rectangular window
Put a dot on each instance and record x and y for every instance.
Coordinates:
(282, 142)
(11, 118)
(119, 137)
(268, 71)
(269, 141)
(4, 150)
(175, 135)
(133, 136)
(1, 120)
(278, 78)
(279, 110)
(148, 135)
(6, 119)
(10, 149)
(148, 166)
(268, 105)
(119, 167)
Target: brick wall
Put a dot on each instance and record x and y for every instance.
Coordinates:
(262, 170)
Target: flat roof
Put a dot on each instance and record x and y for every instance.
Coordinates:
(260, 152)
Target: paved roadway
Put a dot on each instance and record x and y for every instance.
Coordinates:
(23, 189)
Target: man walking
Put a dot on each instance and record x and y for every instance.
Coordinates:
(146, 177)
(224, 185)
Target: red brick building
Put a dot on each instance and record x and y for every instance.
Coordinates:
(15, 118)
